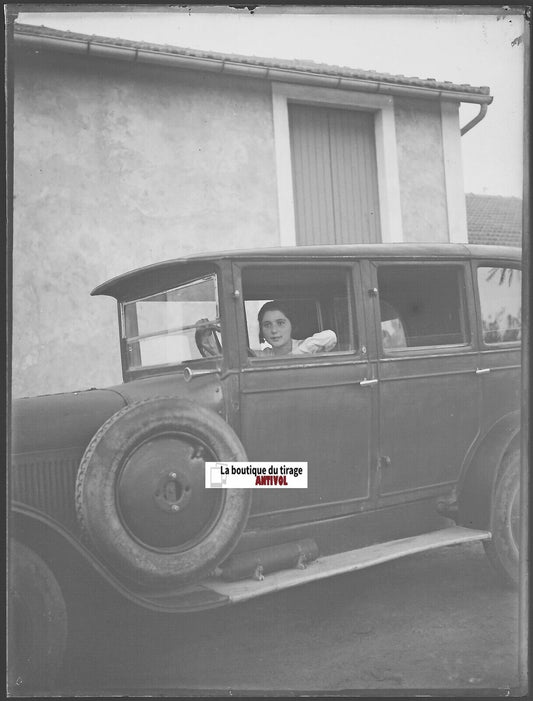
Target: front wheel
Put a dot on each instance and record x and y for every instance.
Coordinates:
(37, 622)
(504, 547)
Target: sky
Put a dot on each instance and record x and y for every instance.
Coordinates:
(476, 49)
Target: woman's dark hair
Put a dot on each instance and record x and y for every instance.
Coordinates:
(274, 306)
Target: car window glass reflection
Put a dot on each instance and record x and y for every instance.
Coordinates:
(501, 306)
(175, 326)
(422, 305)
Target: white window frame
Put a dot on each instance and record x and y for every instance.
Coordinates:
(386, 153)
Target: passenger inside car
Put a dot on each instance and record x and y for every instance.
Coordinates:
(276, 328)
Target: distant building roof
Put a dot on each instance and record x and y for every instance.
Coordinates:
(493, 219)
(253, 66)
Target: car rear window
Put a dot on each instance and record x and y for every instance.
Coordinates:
(501, 304)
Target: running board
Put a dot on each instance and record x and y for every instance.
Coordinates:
(340, 563)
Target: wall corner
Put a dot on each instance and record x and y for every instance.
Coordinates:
(453, 172)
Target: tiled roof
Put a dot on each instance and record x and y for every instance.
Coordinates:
(493, 219)
(301, 66)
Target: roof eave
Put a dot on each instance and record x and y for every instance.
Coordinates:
(99, 49)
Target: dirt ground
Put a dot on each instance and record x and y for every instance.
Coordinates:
(435, 621)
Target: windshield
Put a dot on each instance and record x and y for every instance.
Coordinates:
(173, 327)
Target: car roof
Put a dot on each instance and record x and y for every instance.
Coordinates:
(121, 285)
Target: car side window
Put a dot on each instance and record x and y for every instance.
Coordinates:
(501, 304)
(422, 305)
(317, 301)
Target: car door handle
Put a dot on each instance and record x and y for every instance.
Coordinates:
(482, 371)
(367, 383)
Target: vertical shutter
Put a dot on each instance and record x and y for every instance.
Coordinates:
(334, 175)
(313, 187)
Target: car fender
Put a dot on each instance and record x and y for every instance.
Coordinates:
(476, 485)
(49, 538)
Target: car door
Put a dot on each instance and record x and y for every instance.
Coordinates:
(317, 408)
(427, 369)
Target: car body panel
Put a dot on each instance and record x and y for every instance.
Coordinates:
(320, 401)
(58, 421)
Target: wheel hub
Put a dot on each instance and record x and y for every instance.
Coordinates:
(161, 496)
(173, 491)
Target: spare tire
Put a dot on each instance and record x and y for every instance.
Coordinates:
(141, 498)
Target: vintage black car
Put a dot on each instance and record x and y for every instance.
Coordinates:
(410, 426)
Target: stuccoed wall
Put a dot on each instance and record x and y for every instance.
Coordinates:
(117, 166)
(421, 170)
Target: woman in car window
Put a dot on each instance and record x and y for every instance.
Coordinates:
(275, 327)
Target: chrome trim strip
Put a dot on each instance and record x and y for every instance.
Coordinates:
(262, 368)
(294, 388)
(437, 373)
(417, 356)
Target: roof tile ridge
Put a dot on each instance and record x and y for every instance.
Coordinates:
(301, 65)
